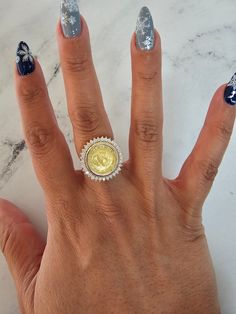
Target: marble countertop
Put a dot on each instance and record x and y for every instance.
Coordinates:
(198, 40)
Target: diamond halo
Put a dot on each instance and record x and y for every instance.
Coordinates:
(109, 144)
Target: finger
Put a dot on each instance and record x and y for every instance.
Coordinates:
(50, 153)
(201, 167)
(23, 248)
(85, 105)
(146, 111)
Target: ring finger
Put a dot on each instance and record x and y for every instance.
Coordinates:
(147, 116)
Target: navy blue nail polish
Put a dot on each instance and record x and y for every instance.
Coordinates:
(24, 59)
(230, 91)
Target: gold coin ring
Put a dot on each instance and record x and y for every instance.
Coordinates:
(101, 159)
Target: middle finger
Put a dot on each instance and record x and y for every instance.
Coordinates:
(84, 99)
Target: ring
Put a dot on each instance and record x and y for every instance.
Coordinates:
(101, 159)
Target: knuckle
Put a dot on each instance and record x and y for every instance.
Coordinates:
(223, 131)
(40, 139)
(147, 76)
(32, 94)
(85, 118)
(77, 64)
(111, 212)
(7, 237)
(209, 169)
(110, 209)
(193, 232)
(147, 130)
(149, 213)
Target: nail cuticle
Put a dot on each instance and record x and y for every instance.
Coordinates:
(24, 59)
(145, 36)
(70, 18)
(230, 91)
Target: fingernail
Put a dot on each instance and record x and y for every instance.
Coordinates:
(230, 91)
(145, 30)
(70, 18)
(24, 59)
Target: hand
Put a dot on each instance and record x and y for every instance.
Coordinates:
(134, 244)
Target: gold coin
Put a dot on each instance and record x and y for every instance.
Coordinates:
(102, 158)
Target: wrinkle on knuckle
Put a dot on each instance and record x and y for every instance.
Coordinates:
(223, 131)
(149, 213)
(110, 210)
(191, 222)
(111, 213)
(32, 94)
(209, 169)
(148, 77)
(39, 138)
(193, 232)
(147, 130)
(78, 64)
(84, 118)
(7, 237)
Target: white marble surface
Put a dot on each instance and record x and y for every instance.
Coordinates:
(199, 44)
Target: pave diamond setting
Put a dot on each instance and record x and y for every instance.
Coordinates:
(101, 159)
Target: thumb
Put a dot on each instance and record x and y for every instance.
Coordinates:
(22, 246)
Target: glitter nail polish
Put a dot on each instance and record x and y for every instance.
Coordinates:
(145, 30)
(70, 18)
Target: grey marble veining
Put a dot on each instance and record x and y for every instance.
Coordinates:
(198, 43)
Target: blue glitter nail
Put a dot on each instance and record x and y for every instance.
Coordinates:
(70, 18)
(145, 39)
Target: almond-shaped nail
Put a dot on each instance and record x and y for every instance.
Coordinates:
(145, 39)
(70, 18)
(230, 91)
(24, 59)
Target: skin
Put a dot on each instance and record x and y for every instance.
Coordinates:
(135, 244)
